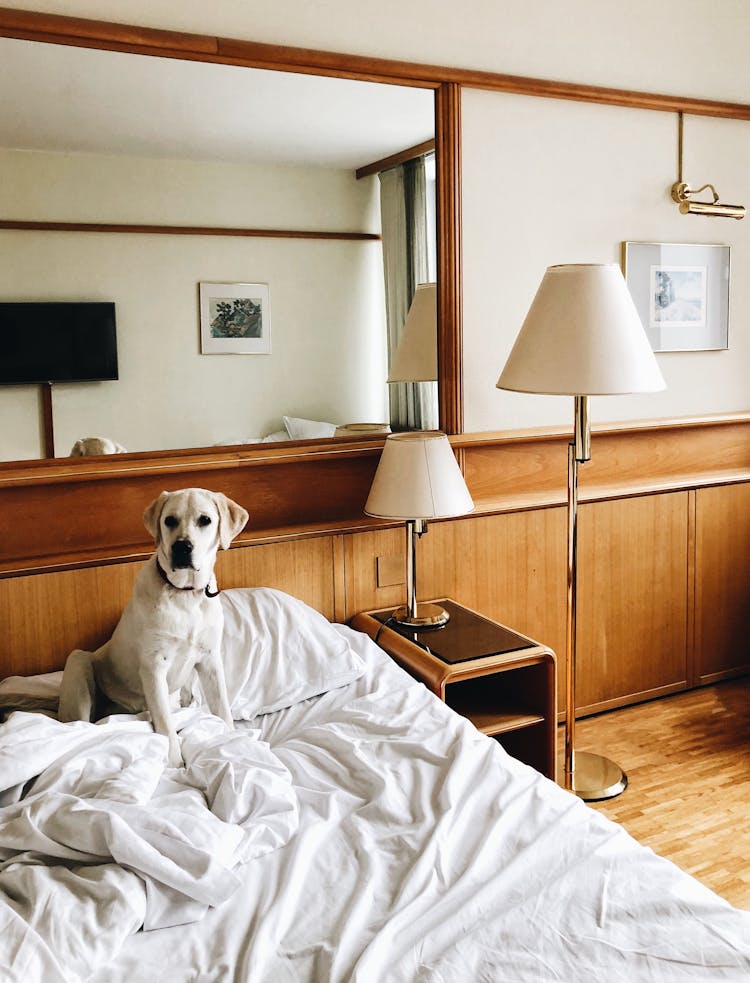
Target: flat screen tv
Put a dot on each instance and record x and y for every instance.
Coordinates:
(57, 342)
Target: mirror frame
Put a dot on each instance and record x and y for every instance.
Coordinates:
(77, 32)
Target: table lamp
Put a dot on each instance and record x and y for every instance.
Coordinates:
(582, 337)
(418, 478)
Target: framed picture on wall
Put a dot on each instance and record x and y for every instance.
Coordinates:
(235, 319)
(681, 292)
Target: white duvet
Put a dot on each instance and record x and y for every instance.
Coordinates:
(411, 848)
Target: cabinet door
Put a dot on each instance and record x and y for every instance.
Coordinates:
(632, 600)
(722, 582)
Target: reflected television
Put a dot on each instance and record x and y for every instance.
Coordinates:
(57, 342)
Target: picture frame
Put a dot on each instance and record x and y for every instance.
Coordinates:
(681, 293)
(235, 318)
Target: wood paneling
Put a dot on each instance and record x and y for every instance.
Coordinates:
(519, 470)
(301, 489)
(75, 516)
(44, 617)
(304, 568)
(632, 599)
(722, 582)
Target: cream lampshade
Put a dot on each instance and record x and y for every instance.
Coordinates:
(582, 337)
(418, 479)
(415, 358)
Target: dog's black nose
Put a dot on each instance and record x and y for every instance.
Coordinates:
(182, 554)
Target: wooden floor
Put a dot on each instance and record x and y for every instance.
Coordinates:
(687, 758)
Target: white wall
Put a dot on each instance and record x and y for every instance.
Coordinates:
(547, 181)
(326, 297)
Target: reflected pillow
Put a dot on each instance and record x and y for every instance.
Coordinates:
(299, 429)
(276, 436)
(278, 651)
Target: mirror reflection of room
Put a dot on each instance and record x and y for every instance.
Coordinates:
(267, 179)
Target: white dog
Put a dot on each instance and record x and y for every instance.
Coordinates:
(88, 446)
(172, 624)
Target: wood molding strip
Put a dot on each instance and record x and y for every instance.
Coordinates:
(448, 193)
(59, 29)
(183, 230)
(395, 159)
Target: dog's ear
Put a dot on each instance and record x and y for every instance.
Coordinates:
(232, 519)
(152, 515)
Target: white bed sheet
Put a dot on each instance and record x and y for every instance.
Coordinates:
(425, 853)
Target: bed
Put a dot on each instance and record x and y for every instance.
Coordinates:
(351, 828)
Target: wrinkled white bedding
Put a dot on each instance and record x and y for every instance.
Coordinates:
(422, 853)
(105, 838)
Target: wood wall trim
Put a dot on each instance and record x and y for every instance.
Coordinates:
(411, 153)
(77, 512)
(59, 29)
(181, 230)
(449, 251)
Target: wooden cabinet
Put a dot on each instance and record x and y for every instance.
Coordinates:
(632, 600)
(722, 582)
(502, 681)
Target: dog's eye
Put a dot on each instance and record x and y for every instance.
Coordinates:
(204, 520)
(170, 522)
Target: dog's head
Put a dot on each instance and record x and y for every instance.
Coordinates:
(189, 526)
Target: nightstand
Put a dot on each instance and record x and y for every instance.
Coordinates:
(502, 681)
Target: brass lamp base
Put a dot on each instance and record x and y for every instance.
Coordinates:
(595, 778)
(427, 616)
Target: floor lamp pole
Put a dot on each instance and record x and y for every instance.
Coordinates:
(590, 776)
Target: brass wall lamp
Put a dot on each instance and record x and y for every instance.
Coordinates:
(682, 193)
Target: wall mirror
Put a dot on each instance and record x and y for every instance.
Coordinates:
(260, 167)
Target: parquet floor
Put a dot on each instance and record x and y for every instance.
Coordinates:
(687, 758)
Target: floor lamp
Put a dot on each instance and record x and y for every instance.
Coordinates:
(582, 337)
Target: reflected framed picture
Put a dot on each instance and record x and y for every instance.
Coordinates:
(235, 318)
(681, 292)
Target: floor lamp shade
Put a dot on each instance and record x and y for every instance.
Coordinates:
(415, 358)
(418, 478)
(582, 337)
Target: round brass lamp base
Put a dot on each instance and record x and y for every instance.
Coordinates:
(595, 777)
(428, 616)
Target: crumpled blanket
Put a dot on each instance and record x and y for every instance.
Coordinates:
(99, 837)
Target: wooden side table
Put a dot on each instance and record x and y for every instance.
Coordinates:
(502, 681)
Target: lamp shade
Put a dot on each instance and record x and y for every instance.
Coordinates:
(582, 337)
(418, 477)
(415, 358)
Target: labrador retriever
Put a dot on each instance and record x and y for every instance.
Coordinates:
(172, 625)
(95, 446)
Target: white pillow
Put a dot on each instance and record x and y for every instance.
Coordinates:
(299, 429)
(275, 437)
(278, 651)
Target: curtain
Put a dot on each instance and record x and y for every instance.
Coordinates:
(403, 209)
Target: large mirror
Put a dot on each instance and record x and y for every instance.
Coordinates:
(261, 168)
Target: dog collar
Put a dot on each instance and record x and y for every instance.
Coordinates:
(166, 580)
